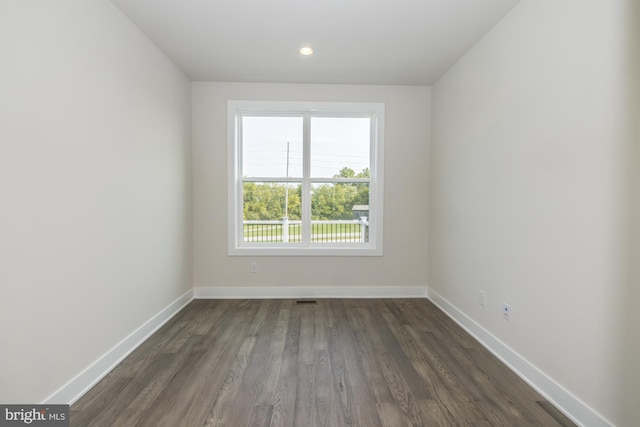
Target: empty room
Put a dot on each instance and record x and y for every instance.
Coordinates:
(336, 213)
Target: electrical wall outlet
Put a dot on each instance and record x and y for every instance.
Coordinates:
(482, 297)
(506, 311)
(253, 268)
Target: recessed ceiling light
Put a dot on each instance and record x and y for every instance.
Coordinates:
(306, 51)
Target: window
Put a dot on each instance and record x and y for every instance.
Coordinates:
(305, 178)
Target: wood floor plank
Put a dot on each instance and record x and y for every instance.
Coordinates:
(560, 418)
(223, 369)
(172, 396)
(261, 416)
(275, 363)
(305, 403)
(305, 406)
(100, 403)
(259, 382)
(384, 322)
(202, 313)
(272, 361)
(483, 387)
(433, 414)
(218, 415)
(424, 371)
(144, 401)
(367, 341)
(404, 399)
(283, 412)
(172, 408)
(391, 415)
(136, 361)
(448, 390)
(284, 403)
(363, 396)
(342, 388)
(132, 389)
(307, 335)
(320, 324)
(470, 384)
(323, 384)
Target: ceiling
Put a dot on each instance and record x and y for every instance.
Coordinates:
(405, 42)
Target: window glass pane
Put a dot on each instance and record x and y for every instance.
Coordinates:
(340, 146)
(342, 201)
(340, 212)
(272, 212)
(272, 147)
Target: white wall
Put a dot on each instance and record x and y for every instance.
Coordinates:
(407, 111)
(629, 345)
(529, 191)
(94, 188)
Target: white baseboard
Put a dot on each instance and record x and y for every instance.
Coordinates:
(85, 380)
(310, 292)
(579, 412)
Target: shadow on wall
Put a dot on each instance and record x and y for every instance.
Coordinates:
(629, 345)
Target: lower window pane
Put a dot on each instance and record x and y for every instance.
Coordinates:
(340, 212)
(271, 212)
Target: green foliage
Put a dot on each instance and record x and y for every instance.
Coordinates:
(364, 174)
(265, 201)
(336, 201)
(346, 173)
(350, 173)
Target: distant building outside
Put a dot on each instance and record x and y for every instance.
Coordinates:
(360, 211)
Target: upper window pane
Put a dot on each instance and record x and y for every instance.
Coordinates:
(340, 146)
(272, 147)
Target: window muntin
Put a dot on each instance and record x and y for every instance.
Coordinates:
(305, 180)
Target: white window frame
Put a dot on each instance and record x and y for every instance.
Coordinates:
(236, 244)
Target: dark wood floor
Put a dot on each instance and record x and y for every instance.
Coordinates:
(337, 362)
